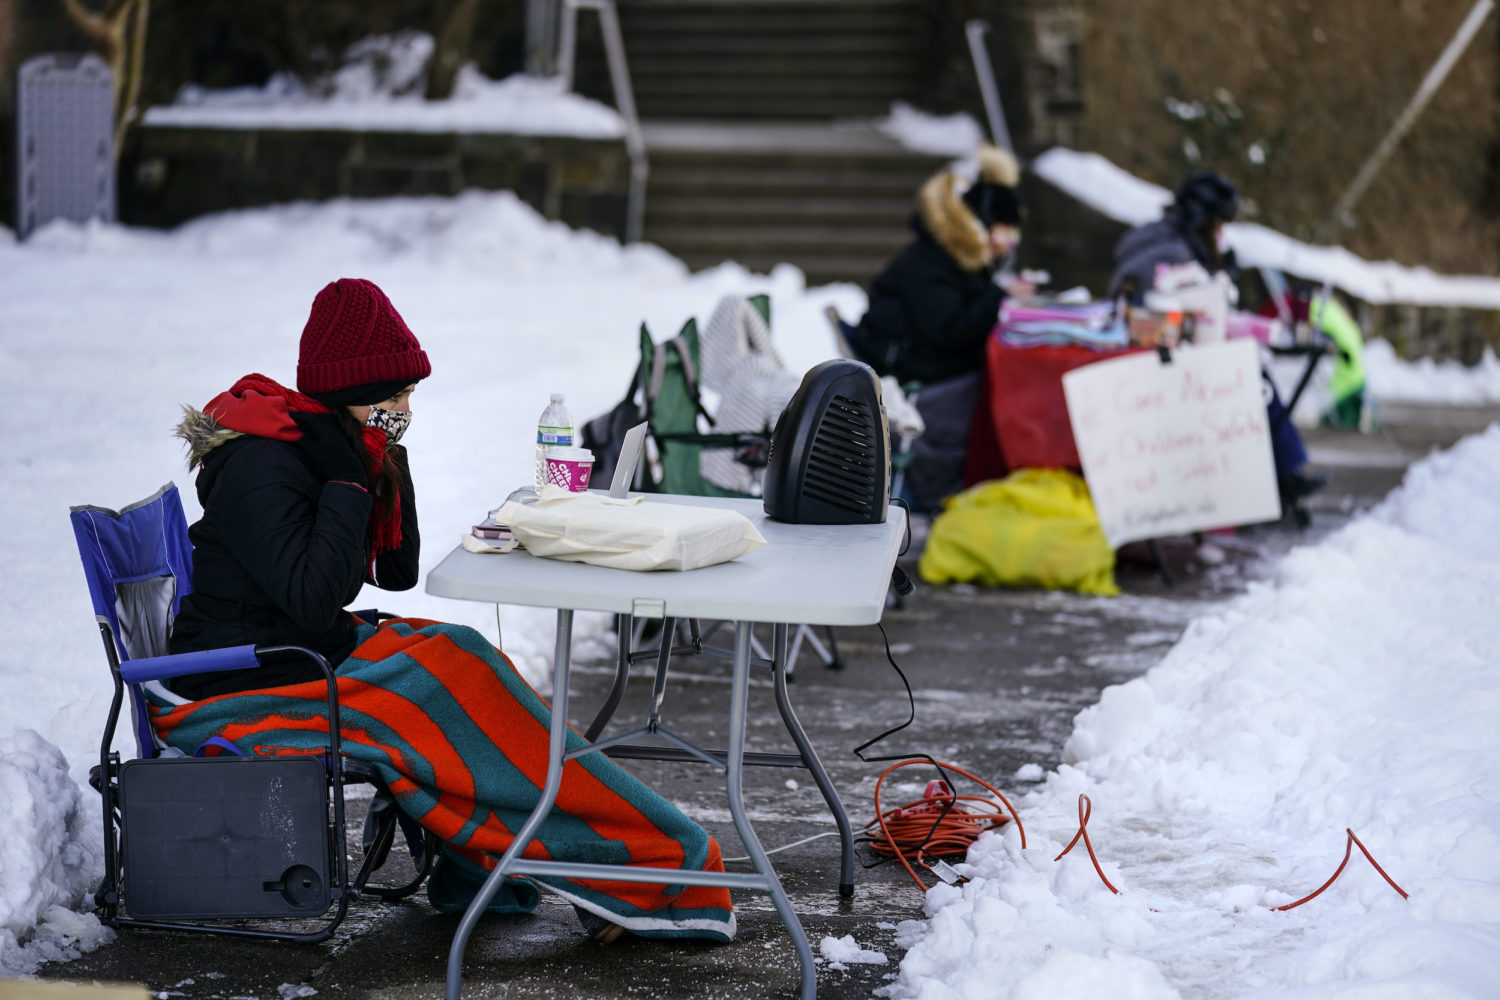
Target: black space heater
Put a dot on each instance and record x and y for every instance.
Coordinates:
(830, 452)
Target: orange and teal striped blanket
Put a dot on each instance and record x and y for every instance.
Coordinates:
(461, 739)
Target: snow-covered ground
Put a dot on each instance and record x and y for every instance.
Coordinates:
(1353, 689)
(1357, 688)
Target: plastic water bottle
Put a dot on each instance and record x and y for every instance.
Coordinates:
(554, 429)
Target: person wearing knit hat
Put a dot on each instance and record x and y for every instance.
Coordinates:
(307, 496)
(1190, 230)
(354, 339)
(934, 305)
(333, 497)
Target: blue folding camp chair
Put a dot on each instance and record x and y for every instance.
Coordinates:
(212, 838)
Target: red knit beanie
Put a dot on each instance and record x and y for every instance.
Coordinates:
(354, 336)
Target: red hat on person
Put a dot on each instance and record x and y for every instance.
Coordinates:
(355, 337)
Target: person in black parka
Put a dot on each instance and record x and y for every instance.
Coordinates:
(306, 495)
(934, 306)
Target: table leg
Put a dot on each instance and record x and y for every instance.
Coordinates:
(557, 743)
(622, 674)
(811, 762)
(738, 705)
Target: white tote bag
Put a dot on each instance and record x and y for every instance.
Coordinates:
(630, 533)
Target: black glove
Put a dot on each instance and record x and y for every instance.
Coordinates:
(331, 452)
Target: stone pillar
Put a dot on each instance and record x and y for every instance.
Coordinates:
(1054, 78)
(541, 36)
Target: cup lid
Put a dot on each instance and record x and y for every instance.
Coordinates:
(570, 454)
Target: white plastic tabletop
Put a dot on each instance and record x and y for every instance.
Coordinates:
(813, 574)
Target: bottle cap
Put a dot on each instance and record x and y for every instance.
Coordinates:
(558, 397)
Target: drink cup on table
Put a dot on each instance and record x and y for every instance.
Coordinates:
(569, 468)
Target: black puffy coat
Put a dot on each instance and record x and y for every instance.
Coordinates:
(277, 556)
(928, 317)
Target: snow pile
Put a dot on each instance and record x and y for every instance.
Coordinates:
(1125, 198)
(943, 135)
(1357, 689)
(1426, 381)
(379, 88)
(47, 862)
(844, 951)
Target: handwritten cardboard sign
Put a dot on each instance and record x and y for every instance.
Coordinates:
(1174, 447)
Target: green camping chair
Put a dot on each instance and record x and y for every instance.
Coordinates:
(668, 377)
(669, 373)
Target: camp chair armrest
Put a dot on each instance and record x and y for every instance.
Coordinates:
(155, 668)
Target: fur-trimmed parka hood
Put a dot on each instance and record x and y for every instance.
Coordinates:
(202, 434)
(254, 405)
(941, 209)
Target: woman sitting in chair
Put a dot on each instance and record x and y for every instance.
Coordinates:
(307, 495)
(932, 309)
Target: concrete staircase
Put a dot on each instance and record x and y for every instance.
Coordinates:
(758, 115)
(765, 59)
(835, 203)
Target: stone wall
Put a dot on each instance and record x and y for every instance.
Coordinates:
(170, 175)
(1290, 97)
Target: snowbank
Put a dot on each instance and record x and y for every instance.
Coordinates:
(1358, 688)
(379, 89)
(48, 861)
(1125, 198)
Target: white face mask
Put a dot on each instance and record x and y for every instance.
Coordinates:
(393, 422)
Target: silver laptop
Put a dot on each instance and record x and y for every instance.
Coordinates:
(630, 460)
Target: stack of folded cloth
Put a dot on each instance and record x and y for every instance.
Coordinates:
(1087, 324)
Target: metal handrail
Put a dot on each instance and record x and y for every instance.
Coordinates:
(619, 74)
(993, 110)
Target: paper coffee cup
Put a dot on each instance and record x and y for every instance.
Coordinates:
(570, 468)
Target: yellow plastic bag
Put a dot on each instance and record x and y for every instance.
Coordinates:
(1034, 528)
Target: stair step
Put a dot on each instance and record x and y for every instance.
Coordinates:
(781, 183)
(772, 237)
(750, 107)
(818, 208)
(819, 269)
(766, 41)
(827, 20)
(782, 73)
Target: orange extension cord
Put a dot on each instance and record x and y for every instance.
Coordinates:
(939, 823)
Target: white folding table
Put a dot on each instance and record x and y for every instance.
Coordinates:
(805, 574)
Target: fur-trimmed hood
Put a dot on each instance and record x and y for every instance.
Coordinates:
(254, 405)
(942, 211)
(202, 434)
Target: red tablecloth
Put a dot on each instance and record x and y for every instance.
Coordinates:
(1022, 418)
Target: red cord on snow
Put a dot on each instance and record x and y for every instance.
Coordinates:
(938, 823)
(1085, 809)
(1349, 846)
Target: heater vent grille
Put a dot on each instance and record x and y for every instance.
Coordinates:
(842, 462)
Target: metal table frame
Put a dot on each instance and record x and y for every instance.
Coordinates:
(805, 574)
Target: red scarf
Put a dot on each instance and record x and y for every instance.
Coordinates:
(263, 407)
